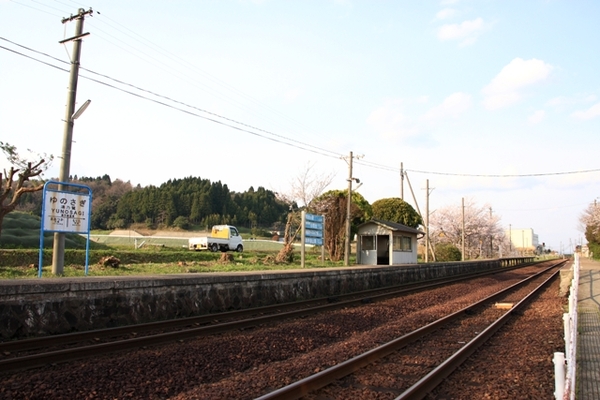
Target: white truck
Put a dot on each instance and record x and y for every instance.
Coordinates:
(222, 238)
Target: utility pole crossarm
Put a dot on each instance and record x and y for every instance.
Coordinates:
(81, 13)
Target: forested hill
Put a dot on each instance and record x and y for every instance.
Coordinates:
(176, 203)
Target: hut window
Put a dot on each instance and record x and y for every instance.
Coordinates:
(367, 243)
(402, 243)
(406, 243)
(397, 243)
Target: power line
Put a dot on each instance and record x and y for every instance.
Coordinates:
(34, 8)
(180, 61)
(210, 113)
(276, 137)
(102, 17)
(306, 146)
(505, 175)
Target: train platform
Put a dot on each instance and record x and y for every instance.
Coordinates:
(588, 341)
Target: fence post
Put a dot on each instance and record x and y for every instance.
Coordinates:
(559, 375)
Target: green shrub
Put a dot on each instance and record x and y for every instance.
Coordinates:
(182, 223)
(447, 252)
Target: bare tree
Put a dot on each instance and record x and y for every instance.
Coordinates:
(308, 185)
(305, 187)
(286, 254)
(484, 236)
(11, 190)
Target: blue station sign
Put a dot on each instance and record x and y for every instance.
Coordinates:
(313, 234)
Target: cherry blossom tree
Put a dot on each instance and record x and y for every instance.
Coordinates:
(590, 221)
(484, 236)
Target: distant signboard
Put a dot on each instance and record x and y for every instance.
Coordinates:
(314, 229)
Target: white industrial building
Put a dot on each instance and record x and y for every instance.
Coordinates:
(522, 239)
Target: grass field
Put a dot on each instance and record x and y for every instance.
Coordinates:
(175, 242)
(138, 254)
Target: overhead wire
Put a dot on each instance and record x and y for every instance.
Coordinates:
(211, 113)
(282, 139)
(184, 76)
(276, 137)
(45, 5)
(505, 175)
(206, 118)
(196, 69)
(33, 8)
(187, 78)
(304, 146)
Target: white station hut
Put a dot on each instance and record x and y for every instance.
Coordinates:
(386, 243)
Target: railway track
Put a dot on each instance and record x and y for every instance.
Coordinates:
(37, 352)
(435, 350)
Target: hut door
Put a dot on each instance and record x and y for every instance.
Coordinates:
(383, 250)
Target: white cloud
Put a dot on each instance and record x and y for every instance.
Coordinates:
(505, 88)
(537, 117)
(566, 101)
(391, 122)
(592, 112)
(452, 107)
(466, 31)
(446, 13)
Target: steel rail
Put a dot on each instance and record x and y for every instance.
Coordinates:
(430, 381)
(58, 356)
(355, 298)
(325, 377)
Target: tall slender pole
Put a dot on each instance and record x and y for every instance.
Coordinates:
(348, 209)
(491, 236)
(402, 181)
(413, 196)
(58, 253)
(303, 240)
(463, 230)
(510, 240)
(427, 222)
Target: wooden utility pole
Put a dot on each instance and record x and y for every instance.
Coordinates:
(402, 181)
(414, 198)
(427, 221)
(58, 254)
(463, 230)
(348, 210)
(491, 236)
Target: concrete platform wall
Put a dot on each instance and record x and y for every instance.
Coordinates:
(61, 305)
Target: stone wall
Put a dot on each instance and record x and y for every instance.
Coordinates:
(60, 305)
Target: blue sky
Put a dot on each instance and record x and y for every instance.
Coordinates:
(493, 100)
